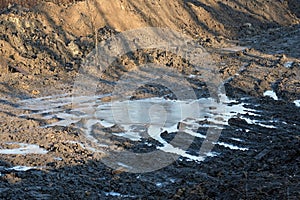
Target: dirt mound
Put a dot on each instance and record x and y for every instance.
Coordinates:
(51, 35)
(30, 3)
(198, 18)
(49, 39)
(193, 17)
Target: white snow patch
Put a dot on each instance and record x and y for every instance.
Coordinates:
(22, 168)
(116, 194)
(237, 139)
(170, 149)
(133, 136)
(159, 184)
(266, 126)
(23, 149)
(233, 147)
(106, 124)
(194, 76)
(288, 64)
(271, 93)
(259, 123)
(297, 103)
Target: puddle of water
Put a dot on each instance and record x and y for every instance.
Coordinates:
(139, 118)
(23, 149)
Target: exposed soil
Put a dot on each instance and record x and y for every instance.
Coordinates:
(255, 47)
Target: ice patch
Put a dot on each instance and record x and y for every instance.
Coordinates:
(266, 126)
(171, 129)
(159, 184)
(297, 103)
(124, 165)
(170, 149)
(288, 64)
(234, 48)
(237, 139)
(270, 93)
(195, 134)
(259, 123)
(58, 158)
(116, 194)
(106, 124)
(192, 76)
(133, 136)
(233, 147)
(23, 149)
(21, 168)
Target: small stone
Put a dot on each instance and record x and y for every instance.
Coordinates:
(35, 92)
(118, 171)
(73, 48)
(247, 25)
(106, 99)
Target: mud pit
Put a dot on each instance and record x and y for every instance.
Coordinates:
(53, 147)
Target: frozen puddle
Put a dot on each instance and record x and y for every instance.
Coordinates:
(22, 149)
(138, 119)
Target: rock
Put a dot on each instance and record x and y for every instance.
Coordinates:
(247, 25)
(262, 154)
(74, 48)
(35, 92)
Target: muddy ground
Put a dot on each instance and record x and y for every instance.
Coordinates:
(255, 48)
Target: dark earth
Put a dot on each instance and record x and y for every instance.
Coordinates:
(255, 48)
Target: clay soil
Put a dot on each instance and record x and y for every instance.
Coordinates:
(255, 46)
